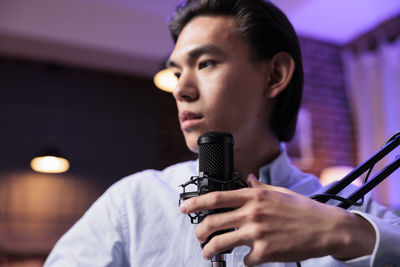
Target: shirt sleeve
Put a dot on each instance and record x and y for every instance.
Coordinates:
(387, 245)
(96, 239)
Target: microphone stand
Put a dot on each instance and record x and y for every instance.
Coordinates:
(390, 145)
(333, 190)
(218, 261)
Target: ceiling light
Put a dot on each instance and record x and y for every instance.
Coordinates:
(165, 80)
(50, 160)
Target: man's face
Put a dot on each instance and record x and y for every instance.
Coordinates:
(219, 87)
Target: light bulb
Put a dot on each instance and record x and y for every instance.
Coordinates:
(50, 164)
(166, 80)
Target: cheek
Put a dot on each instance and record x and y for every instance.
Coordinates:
(228, 113)
(232, 98)
(238, 98)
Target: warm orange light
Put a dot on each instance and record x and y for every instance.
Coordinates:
(165, 80)
(50, 164)
(336, 173)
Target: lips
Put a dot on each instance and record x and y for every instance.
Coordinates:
(189, 120)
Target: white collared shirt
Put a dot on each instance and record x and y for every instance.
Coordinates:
(136, 222)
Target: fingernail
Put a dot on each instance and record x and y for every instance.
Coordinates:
(183, 207)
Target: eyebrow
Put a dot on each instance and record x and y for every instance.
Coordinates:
(197, 52)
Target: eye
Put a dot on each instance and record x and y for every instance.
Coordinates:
(177, 75)
(206, 64)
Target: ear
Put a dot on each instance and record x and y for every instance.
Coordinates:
(280, 73)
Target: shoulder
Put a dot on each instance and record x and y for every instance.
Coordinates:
(169, 178)
(148, 188)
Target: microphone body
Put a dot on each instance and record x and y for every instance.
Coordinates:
(216, 157)
(216, 173)
(216, 161)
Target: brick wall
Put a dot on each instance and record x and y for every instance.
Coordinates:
(326, 99)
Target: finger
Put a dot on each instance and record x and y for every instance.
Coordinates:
(215, 200)
(253, 182)
(217, 222)
(255, 256)
(223, 242)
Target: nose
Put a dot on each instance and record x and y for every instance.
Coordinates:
(186, 89)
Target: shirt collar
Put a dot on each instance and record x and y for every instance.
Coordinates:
(278, 172)
(281, 172)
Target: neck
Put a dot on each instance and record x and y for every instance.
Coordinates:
(251, 156)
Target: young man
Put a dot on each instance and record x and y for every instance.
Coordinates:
(239, 70)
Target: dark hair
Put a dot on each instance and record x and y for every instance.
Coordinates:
(267, 31)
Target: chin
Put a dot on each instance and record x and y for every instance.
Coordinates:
(191, 141)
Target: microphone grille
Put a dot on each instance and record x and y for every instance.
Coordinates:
(216, 154)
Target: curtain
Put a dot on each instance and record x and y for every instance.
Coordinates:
(373, 83)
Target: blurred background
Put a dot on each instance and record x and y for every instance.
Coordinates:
(76, 76)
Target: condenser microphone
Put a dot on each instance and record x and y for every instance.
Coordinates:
(216, 173)
(216, 159)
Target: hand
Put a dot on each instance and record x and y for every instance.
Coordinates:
(279, 225)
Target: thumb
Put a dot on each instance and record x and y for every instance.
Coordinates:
(253, 182)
